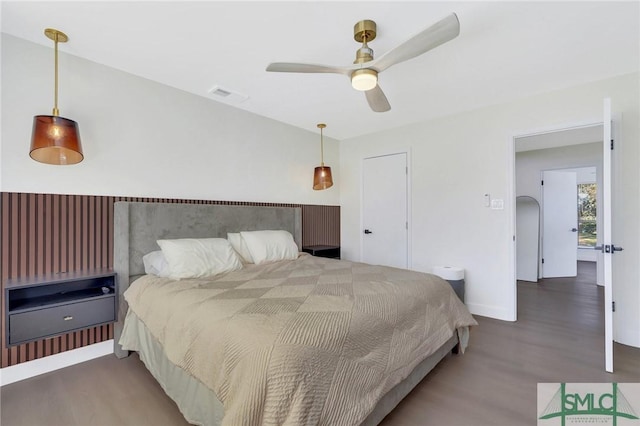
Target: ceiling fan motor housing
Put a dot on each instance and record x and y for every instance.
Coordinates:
(363, 32)
(364, 54)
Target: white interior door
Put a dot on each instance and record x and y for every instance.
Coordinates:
(560, 224)
(384, 215)
(608, 249)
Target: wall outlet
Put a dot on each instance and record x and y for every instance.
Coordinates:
(497, 204)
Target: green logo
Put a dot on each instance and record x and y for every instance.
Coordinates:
(565, 404)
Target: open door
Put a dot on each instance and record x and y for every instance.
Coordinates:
(559, 224)
(607, 247)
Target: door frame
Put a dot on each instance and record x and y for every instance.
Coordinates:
(407, 152)
(511, 198)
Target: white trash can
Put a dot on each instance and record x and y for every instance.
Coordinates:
(455, 276)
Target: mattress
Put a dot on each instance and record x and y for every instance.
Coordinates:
(310, 341)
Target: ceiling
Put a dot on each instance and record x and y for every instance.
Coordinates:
(505, 51)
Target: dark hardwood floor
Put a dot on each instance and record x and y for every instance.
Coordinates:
(558, 338)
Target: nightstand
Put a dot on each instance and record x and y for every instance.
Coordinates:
(323, 251)
(46, 306)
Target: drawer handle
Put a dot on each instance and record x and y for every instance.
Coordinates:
(68, 318)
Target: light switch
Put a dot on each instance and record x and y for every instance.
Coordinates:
(497, 204)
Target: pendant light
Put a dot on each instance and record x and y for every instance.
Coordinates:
(322, 175)
(55, 140)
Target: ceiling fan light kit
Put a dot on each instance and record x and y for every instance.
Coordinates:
(364, 79)
(365, 69)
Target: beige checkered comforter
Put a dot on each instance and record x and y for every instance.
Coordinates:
(307, 342)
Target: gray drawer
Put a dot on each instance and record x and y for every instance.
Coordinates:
(46, 322)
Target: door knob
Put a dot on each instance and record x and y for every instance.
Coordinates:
(608, 248)
(574, 230)
(366, 231)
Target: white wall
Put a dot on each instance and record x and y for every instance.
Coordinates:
(531, 164)
(141, 138)
(587, 255)
(459, 158)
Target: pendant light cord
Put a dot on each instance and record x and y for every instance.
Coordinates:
(55, 95)
(321, 149)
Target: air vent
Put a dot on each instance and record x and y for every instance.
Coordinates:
(227, 96)
(221, 92)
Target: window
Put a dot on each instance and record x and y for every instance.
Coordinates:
(587, 215)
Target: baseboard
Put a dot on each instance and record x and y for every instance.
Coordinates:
(29, 369)
(491, 311)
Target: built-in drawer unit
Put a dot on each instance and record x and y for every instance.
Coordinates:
(42, 307)
(332, 252)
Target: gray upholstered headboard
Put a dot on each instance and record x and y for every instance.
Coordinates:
(137, 226)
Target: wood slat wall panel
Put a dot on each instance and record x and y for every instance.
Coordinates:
(51, 233)
(320, 225)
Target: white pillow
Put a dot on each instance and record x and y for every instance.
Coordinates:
(270, 246)
(194, 258)
(240, 246)
(155, 263)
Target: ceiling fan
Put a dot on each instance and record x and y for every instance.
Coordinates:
(365, 69)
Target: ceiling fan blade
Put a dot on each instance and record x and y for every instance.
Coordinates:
(307, 68)
(437, 34)
(377, 100)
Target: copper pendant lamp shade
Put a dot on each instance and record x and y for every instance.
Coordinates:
(322, 174)
(322, 178)
(54, 139)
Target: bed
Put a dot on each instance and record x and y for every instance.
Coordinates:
(292, 371)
